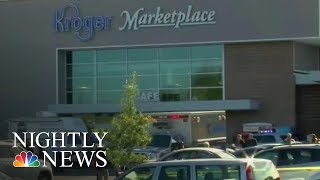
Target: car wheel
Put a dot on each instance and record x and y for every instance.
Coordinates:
(44, 176)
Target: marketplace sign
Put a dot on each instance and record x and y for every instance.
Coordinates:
(68, 19)
(175, 19)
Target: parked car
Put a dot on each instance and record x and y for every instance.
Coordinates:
(160, 145)
(250, 151)
(294, 161)
(7, 157)
(206, 169)
(196, 153)
(217, 142)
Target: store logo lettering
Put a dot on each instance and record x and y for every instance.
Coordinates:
(174, 19)
(84, 28)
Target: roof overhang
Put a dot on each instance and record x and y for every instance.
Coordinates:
(307, 77)
(223, 105)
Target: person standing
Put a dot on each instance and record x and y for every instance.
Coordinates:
(102, 172)
(289, 139)
(251, 141)
(312, 138)
(240, 143)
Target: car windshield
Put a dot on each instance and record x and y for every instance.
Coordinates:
(160, 140)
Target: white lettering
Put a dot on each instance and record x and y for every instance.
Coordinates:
(181, 18)
(23, 142)
(46, 139)
(203, 16)
(84, 158)
(55, 139)
(100, 139)
(174, 19)
(85, 141)
(151, 16)
(196, 17)
(102, 159)
(47, 156)
(63, 158)
(211, 15)
(143, 19)
(166, 19)
(73, 134)
(130, 21)
(159, 16)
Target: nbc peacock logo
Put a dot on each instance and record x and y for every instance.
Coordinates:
(26, 159)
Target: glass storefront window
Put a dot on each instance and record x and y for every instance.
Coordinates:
(83, 57)
(174, 81)
(173, 73)
(175, 95)
(80, 70)
(205, 52)
(206, 80)
(148, 82)
(174, 53)
(81, 84)
(143, 68)
(206, 94)
(105, 97)
(111, 69)
(143, 54)
(111, 83)
(175, 67)
(81, 97)
(117, 56)
(206, 66)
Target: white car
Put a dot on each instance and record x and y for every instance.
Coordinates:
(7, 157)
(204, 169)
(196, 153)
(294, 161)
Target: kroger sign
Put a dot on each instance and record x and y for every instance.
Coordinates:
(83, 27)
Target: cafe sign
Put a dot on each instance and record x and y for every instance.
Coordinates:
(148, 96)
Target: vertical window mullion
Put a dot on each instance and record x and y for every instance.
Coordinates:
(127, 65)
(95, 90)
(190, 73)
(158, 74)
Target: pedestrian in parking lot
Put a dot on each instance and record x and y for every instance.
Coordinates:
(312, 138)
(102, 172)
(240, 143)
(251, 141)
(289, 139)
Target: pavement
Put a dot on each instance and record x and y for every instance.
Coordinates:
(78, 174)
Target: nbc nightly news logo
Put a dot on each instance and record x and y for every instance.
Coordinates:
(58, 140)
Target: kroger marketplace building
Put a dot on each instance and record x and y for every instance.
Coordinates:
(253, 61)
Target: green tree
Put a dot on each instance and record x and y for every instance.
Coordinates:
(129, 129)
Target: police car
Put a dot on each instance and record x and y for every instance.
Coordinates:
(265, 133)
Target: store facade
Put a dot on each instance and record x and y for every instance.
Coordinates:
(239, 58)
